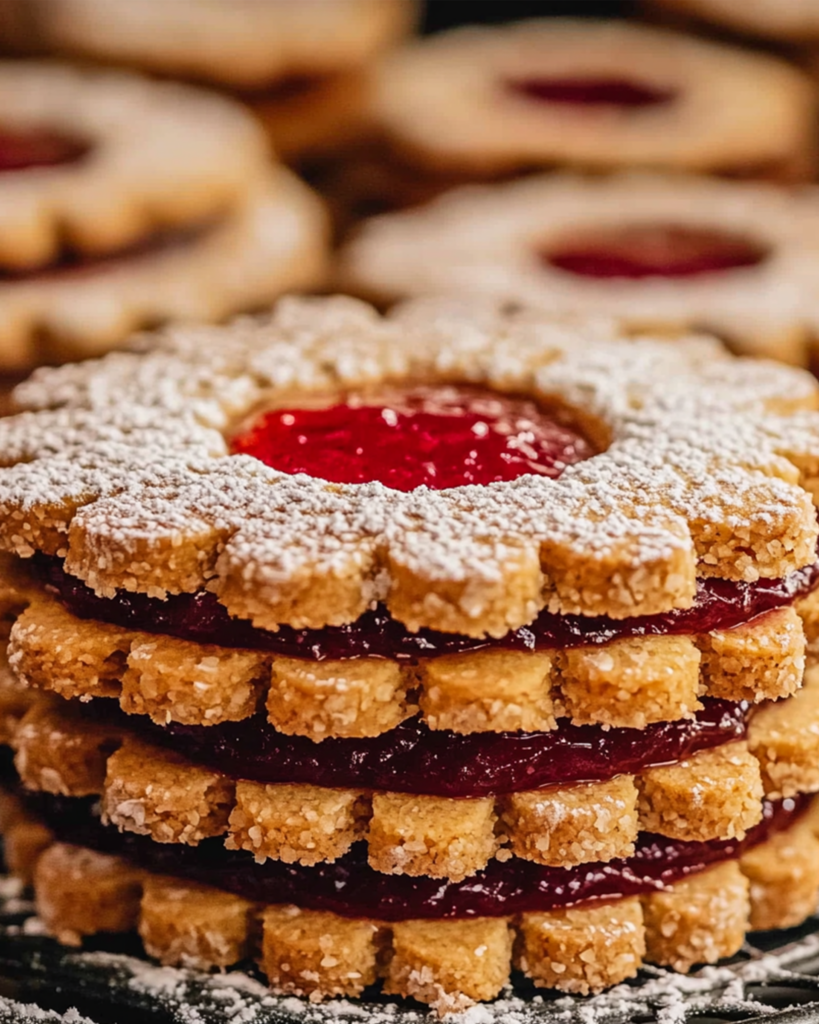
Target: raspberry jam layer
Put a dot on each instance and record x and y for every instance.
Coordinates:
(636, 251)
(719, 604)
(414, 759)
(434, 437)
(591, 92)
(24, 150)
(351, 888)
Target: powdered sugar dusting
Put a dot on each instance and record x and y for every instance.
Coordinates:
(698, 476)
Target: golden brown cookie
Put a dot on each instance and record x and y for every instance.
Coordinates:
(600, 95)
(793, 21)
(664, 253)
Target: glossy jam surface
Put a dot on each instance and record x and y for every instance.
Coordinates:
(591, 91)
(720, 604)
(435, 437)
(351, 888)
(414, 759)
(653, 250)
(23, 150)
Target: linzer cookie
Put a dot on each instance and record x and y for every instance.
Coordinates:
(794, 21)
(302, 66)
(489, 102)
(659, 252)
(125, 202)
(414, 648)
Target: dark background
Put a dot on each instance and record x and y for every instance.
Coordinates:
(443, 13)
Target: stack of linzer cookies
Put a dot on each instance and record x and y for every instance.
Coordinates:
(448, 641)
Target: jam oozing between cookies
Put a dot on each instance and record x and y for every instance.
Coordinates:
(589, 91)
(720, 604)
(435, 437)
(414, 759)
(637, 251)
(22, 150)
(350, 887)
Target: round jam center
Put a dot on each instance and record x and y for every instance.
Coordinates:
(614, 91)
(21, 150)
(653, 250)
(438, 437)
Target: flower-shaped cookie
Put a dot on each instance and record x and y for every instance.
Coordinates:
(663, 252)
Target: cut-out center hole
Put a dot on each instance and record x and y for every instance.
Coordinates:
(591, 90)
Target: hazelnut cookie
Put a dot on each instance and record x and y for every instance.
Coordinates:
(414, 647)
(125, 202)
(659, 252)
(482, 102)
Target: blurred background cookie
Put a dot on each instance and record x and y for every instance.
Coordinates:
(125, 202)
(301, 65)
(665, 252)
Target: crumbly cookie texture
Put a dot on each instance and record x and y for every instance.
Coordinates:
(788, 20)
(497, 240)
(628, 683)
(446, 102)
(122, 466)
(239, 43)
(273, 240)
(161, 155)
(152, 790)
(447, 964)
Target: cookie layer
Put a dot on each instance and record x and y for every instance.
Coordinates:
(627, 683)
(501, 240)
(140, 497)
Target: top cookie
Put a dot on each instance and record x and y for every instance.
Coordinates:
(241, 43)
(704, 466)
(486, 101)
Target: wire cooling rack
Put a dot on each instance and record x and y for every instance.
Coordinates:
(774, 979)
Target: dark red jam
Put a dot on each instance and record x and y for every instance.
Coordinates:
(414, 759)
(637, 251)
(720, 604)
(351, 888)
(591, 91)
(22, 150)
(434, 437)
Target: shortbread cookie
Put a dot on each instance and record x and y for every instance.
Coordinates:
(238, 43)
(485, 573)
(97, 161)
(490, 101)
(770, 881)
(273, 241)
(657, 252)
(794, 21)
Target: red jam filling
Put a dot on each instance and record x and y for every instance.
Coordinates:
(415, 759)
(653, 250)
(591, 91)
(350, 887)
(22, 150)
(719, 604)
(435, 437)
